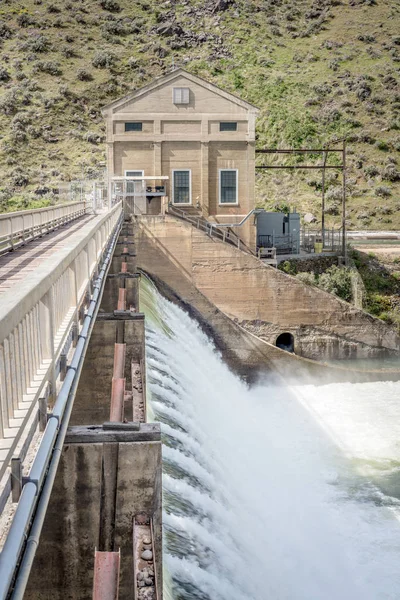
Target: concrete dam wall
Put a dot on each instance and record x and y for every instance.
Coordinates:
(262, 300)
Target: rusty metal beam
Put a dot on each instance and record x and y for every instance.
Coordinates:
(340, 167)
(119, 360)
(106, 575)
(121, 299)
(117, 400)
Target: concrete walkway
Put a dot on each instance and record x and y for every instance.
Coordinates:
(16, 266)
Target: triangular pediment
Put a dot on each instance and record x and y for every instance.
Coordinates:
(141, 100)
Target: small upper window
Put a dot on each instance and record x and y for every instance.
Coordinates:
(228, 126)
(133, 126)
(181, 95)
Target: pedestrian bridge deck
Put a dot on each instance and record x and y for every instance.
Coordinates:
(44, 287)
(16, 266)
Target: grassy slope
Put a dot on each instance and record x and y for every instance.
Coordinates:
(302, 63)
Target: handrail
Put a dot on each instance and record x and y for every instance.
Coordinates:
(213, 229)
(21, 227)
(5, 215)
(255, 211)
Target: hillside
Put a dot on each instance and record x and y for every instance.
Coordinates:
(319, 70)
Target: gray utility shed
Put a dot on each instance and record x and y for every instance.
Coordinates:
(279, 230)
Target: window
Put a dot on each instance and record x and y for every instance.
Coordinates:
(180, 95)
(133, 126)
(130, 185)
(228, 126)
(228, 186)
(182, 193)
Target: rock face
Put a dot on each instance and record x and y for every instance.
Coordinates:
(266, 301)
(221, 5)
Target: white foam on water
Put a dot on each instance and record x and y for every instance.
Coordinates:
(276, 514)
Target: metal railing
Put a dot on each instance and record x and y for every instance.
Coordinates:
(212, 229)
(314, 240)
(20, 227)
(38, 326)
(37, 485)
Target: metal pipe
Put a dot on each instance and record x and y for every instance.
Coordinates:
(63, 408)
(16, 536)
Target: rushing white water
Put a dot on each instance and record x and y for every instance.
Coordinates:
(270, 492)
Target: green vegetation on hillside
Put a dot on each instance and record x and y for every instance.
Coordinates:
(381, 277)
(319, 70)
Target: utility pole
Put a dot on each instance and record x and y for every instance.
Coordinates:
(344, 248)
(325, 156)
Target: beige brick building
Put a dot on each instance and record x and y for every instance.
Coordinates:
(195, 134)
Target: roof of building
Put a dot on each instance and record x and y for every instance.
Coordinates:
(170, 77)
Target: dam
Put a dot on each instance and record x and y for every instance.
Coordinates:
(179, 418)
(266, 486)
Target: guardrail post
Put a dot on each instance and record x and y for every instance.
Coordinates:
(74, 331)
(16, 479)
(11, 235)
(43, 411)
(63, 366)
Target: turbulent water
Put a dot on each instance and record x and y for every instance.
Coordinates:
(270, 492)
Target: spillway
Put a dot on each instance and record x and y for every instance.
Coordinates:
(281, 493)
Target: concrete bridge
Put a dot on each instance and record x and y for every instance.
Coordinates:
(80, 467)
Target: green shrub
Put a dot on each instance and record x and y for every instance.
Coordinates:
(383, 191)
(110, 5)
(337, 280)
(288, 267)
(307, 278)
(37, 43)
(4, 74)
(84, 75)
(48, 66)
(377, 304)
(382, 145)
(102, 60)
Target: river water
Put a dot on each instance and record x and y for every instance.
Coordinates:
(270, 492)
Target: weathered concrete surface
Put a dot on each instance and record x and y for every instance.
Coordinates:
(261, 299)
(64, 562)
(248, 355)
(93, 398)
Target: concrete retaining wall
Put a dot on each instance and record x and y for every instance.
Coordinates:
(261, 299)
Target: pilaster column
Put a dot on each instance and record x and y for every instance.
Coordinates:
(204, 178)
(157, 158)
(110, 171)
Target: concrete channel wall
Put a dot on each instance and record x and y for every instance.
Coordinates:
(107, 494)
(265, 301)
